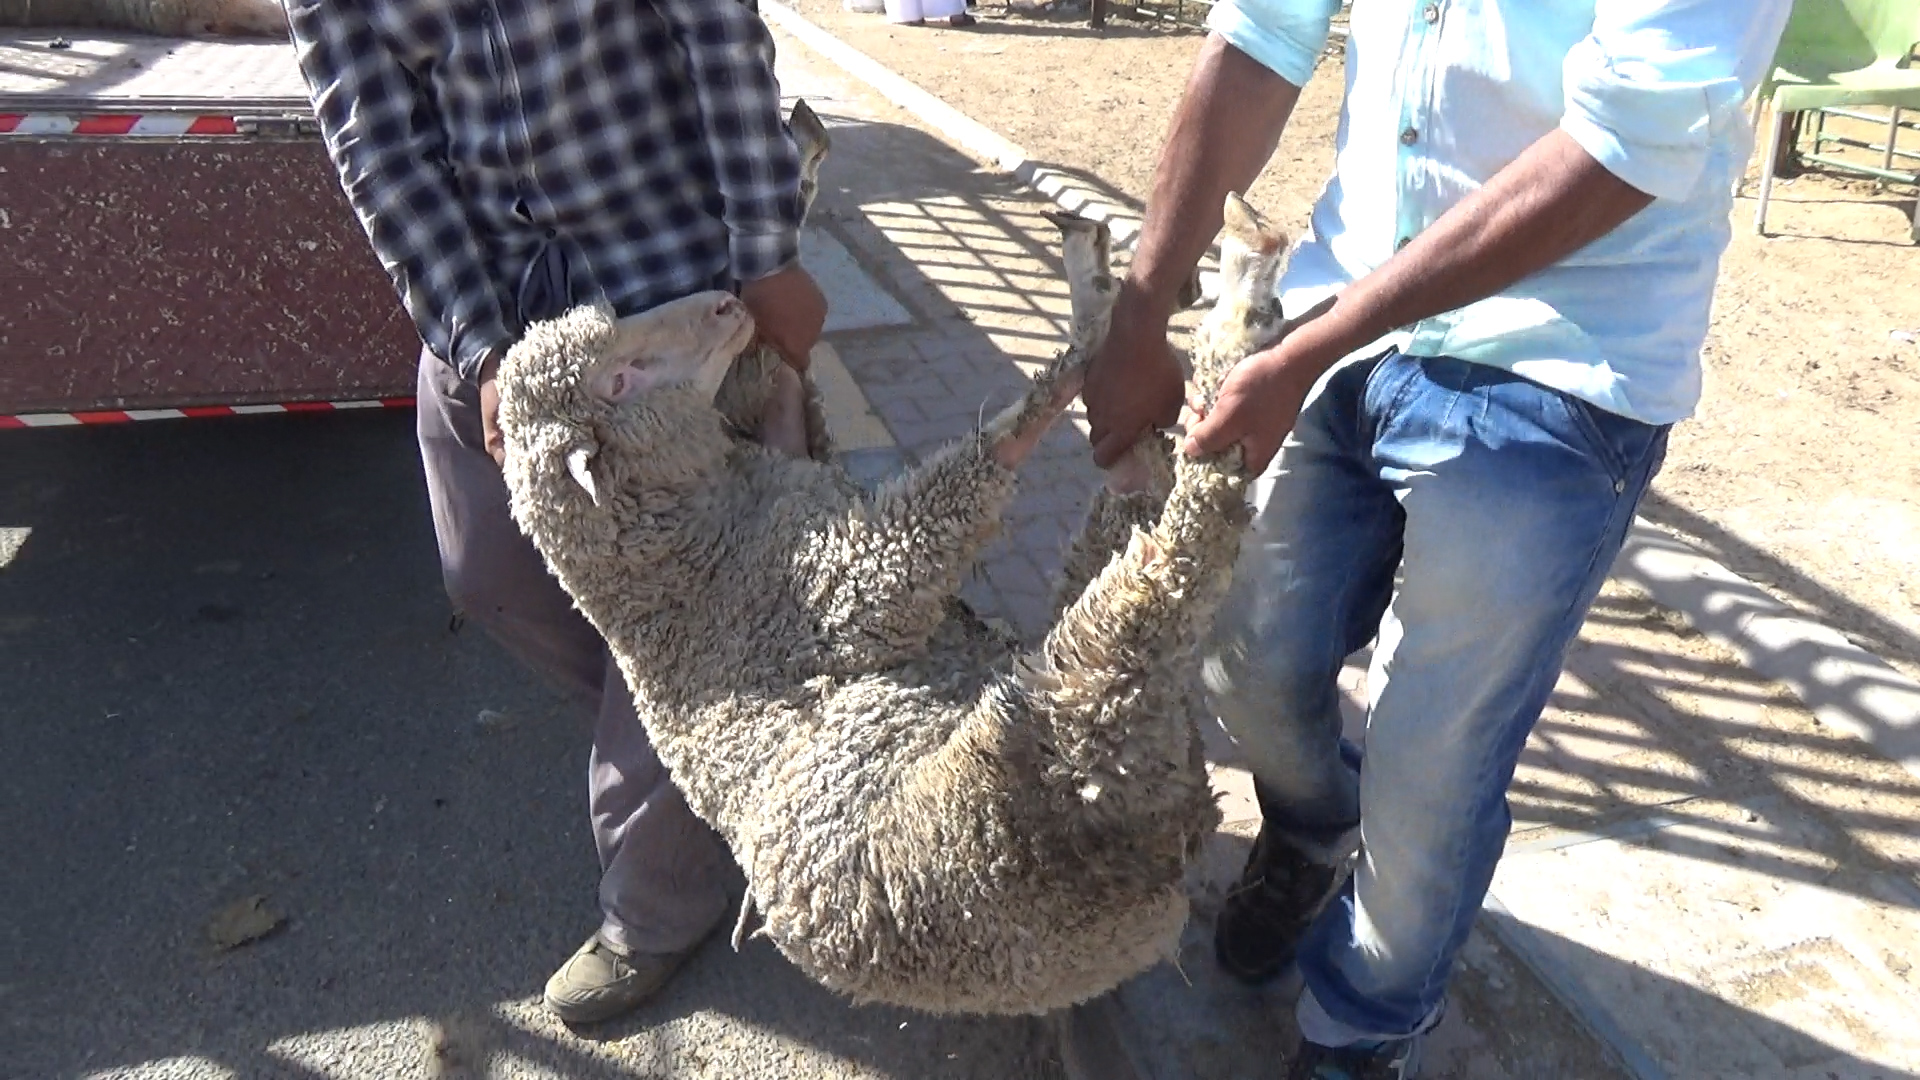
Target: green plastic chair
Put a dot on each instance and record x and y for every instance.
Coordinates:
(1839, 53)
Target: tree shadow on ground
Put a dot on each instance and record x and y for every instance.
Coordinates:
(1872, 631)
(989, 247)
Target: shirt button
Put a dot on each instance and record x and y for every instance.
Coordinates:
(1431, 13)
(1409, 137)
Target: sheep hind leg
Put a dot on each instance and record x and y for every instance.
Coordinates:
(1136, 487)
(765, 400)
(784, 422)
(1087, 254)
(814, 406)
(886, 581)
(878, 584)
(1114, 681)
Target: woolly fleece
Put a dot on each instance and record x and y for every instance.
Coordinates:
(927, 814)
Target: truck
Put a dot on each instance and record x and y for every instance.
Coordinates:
(174, 241)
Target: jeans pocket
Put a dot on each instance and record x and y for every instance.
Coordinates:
(1619, 443)
(1387, 384)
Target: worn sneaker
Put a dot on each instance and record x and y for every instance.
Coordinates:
(599, 982)
(1279, 893)
(1395, 1060)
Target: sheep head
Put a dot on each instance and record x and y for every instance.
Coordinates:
(598, 409)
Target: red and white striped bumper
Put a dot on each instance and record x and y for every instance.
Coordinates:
(124, 416)
(116, 124)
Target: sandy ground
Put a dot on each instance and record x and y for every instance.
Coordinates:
(1798, 470)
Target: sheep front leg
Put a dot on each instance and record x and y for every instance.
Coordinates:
(1132, 497)
(880, 578)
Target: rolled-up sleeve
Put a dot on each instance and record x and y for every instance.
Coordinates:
(1656, 81)
(1284, 36)
(756, 164)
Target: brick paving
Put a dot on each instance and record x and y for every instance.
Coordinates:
(977, 265)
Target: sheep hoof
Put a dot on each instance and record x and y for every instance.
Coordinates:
(783, 426)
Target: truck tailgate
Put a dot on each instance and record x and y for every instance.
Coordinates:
(172, 234)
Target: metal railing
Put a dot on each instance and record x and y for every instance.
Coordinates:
(1895, 123)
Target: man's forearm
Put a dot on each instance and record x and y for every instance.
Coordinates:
(1223, 134)
(1550, 202)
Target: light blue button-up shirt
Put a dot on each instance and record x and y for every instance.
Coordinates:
(1441, 94)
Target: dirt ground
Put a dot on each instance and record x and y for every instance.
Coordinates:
(1798, 471)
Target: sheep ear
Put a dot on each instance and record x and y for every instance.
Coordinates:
(617, 384)
(580, 467)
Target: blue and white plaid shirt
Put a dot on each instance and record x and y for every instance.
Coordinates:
(635, 145)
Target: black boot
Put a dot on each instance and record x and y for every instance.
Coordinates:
(1279, 893)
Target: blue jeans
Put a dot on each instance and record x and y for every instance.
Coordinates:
(1499, 504)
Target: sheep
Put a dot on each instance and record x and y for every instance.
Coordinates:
(927, 814)
(167, 18)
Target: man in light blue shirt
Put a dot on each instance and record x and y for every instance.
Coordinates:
(1519, 246)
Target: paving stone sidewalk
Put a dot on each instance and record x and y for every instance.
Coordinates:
(1701, 881)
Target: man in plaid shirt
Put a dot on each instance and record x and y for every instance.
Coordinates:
(511, 158)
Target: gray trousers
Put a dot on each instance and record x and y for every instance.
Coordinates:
(663, 881)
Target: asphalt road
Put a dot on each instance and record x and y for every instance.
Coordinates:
(227, 670)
